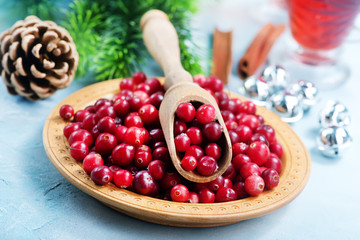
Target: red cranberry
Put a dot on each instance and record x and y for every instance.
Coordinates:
(139, 77)
(228, 183)
(102, 102)
(134, 136)
(78, 150)
(89, 122)
(91, 161)
(106, 124)
(213, 150)
(244, 132)
(271, 178)
(238, 148)
(240, 160)
(189, 163)
(193, 198)
(149, 114)
(212, 132)
(267, 131)
(274, 162)
(258, 152)
(254, 185)
(201, 80)
(195, 135)
(258, 137)
(81, 135)
(227, 115)
(95, 132)
(216, 184)
(159, 144)
(143, 87)
(135, 103)
(169, 180)
(215, 84)
(156, 135)
(205, 113)
(250, 120)
(206, 196)
(123, 178)
(195, 151)
(239, 188)
(161, 153)
(154, 84)
(225, 194)
(155, 99)
(185, 112)
(206, 166)
(230, 172)
(66, 112)
(120, 132)
(247, 107)
(276, 148)
(182, 142)
(142, 95)
(70, 128)
(221, 96)
(179, 193)
(80, 115)
(105, 111)
(101, 175)
(133, 121)
(143, 183)
(142, 159)
(121, 107)
(145, 148)
(91, 109)
(234, 137)
(156, 169)
(179, 127)
(105, 143)
(123, 154)
(249, 169)
(231, 125)
(127, 83)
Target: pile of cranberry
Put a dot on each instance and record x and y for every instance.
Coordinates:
(120, 141)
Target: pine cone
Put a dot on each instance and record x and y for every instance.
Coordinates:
(37, 58)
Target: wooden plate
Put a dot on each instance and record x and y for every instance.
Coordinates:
(295, 173)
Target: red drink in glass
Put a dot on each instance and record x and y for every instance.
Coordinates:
(322, 24)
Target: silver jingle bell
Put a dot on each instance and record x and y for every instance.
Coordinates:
(332, 141)
(307, 93)
(286, 106)
(256, 89)
(276, 77)
(334, 114)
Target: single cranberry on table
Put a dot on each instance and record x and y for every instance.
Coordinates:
(66, 112)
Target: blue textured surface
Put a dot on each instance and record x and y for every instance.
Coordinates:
(36, 202)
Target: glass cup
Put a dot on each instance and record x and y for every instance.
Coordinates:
(319, 28)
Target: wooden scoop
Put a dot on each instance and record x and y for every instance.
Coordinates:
(161, 40)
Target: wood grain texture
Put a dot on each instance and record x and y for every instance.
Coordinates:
(294, 176)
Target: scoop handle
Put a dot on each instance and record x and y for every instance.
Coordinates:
(162, 41)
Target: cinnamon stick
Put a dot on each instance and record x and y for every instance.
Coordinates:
(222, 55)
(259, 49)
